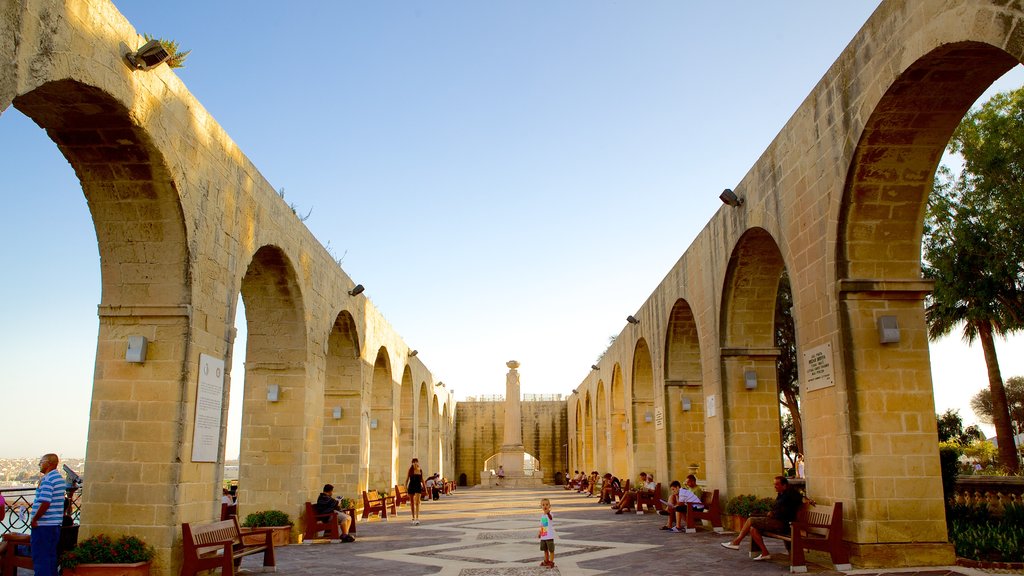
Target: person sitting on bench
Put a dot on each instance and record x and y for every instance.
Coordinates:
(327, 504)
(646, 485)
(784, 510)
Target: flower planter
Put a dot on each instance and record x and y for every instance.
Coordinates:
(136, 569)
(281, 535)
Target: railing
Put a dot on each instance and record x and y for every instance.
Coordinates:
(19, 508)
(995, 491)
(525, 398)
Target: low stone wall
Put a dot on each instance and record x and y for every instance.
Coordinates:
(995, 491)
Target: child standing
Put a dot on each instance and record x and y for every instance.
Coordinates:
(547, 534)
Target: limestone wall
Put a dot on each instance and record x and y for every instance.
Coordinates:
(480, 431)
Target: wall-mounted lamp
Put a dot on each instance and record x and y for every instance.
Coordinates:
(136, 349)
(373, 423)
(273, 392)
(729, 198)
(594, 367)
(648, 417)
(632, 319)
(750, 379)
(413, 353)
(687, 406)
(356, 290)
(439, 384)
(624, 426)
(151, 55)
(337, 412)
(888, 330)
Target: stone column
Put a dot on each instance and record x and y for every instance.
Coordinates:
(513, 410)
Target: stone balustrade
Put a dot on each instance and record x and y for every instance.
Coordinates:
(995, 491)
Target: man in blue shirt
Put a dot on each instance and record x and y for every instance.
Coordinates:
(47, 515)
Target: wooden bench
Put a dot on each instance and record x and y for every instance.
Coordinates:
(652, 499)
(228, 511)
(315, 523)
(816, 528)
(11, 560)
(219, 545)
(374, 503)
(712, 512)
(401, 495)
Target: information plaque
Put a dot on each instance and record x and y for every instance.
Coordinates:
(209, 401)
(818, 368)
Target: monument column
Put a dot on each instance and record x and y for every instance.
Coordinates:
(511, 454)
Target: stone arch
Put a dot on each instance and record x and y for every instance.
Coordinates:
(878, 261)
(601, 431)
(684, 395)
(382, 424)
(273, 432)
(435, 434)
(645, 456)
(751, 416)
(446, 442)
(621, 465)
(406, 426)
(146, 284)
(580, 441)
(588, 433)
(342, 391)
(422, 424)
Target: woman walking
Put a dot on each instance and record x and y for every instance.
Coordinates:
(414, 485)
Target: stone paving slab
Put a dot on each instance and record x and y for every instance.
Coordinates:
(484, 532)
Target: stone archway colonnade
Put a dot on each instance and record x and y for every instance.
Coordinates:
(837, 201)
(185, 224)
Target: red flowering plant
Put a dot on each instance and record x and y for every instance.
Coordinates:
(102, 549)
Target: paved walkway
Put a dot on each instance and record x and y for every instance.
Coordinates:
(478, 532)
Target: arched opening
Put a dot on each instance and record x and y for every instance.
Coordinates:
(589, 433)
(273, 409)
(601, 435)
(684, 393)
(406, 427)
(435, 434)
(620, 447)
(581, 462)
(342, 406)
(382, 425)
(750, 405)
(422, 424)
(645, 455)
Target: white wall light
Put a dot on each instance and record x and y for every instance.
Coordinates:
(337, 412)
(373, 423)
(273, 392)
(648, 417)
(687, 406)
(750, 378)
(136, 349)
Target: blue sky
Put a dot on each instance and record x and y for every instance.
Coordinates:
(509, 180)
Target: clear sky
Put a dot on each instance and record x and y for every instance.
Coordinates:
(508, 179)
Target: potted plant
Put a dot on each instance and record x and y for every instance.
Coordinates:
(744, 506)
(274, 519)
(102, 555)
(346, 504)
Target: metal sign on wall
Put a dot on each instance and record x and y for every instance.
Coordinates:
(209, 400)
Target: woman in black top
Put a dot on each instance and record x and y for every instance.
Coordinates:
(414, 484)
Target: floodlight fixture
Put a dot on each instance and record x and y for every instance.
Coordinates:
(151, 55)
(729, 198)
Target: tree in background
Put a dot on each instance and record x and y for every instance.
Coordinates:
(982, 404)
(951, 429)
(786, 372)
(973, 245)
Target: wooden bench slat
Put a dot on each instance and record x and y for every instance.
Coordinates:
(219, 545)
(816, 528)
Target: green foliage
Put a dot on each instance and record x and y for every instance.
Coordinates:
(346, 503)
(786, 372)
(973, 246)
(177, 59)
(982, 452)
(948, 463)
(748, 505)
(951, 428)
(979, 535)
(266, 518)
(102, 549)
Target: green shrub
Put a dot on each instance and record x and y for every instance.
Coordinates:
(949, 455)
(265, 518)
(748, 505)
(978, 535)
(102, 549)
